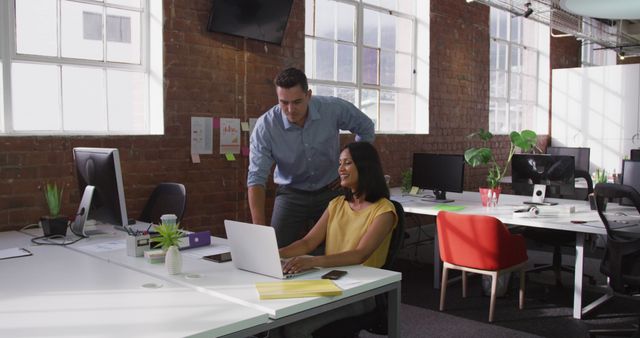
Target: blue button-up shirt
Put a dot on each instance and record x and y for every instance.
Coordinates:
(306, 157)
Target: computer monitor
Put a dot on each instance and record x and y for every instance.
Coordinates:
(634, 155)
(438, 172)
(100, 168)
(554, 171)
(580, 156)
(630, 177)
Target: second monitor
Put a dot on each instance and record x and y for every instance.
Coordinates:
(439, 173)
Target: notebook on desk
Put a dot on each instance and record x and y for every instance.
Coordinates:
(254, 248)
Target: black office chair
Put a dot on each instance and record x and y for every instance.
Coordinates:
(559, 238)
(166, 198)
(376, 320)
(621, 261)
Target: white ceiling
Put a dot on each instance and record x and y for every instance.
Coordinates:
(607, 9)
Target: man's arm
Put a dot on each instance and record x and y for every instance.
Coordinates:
(353, 119)
(256, 195)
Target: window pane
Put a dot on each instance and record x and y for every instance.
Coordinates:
(323, 90)
(346, 58)
(516, 32)
(407, 6)
(130, 3)
(395, 69)
(325, 19)
(515, 112)
(346, 20)
(36, 27)
(347, 94)
(81, 31)
(324, 60)
(309, 52)
(388, 31)
(516, 59)
(529, 62)
(515, 87)
(370, 66)
(404, 33)
(498, 116)
(309, 17)
(84, 98)
(370, 28)
(405, 112)
(126, 92)
(498, 85)
(30, 81)
(387, 111)
(529, 88)
(390, 4)
(369, 104)
(123, 36)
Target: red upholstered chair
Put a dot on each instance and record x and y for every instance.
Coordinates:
(479, 244)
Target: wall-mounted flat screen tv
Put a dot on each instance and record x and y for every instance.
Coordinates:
(263, 20)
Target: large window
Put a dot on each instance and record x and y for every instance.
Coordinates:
(374, 54)
(594, 54)
(89, 67)
(519, 74)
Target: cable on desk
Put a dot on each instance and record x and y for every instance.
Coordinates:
(29, 226)
(37, 240)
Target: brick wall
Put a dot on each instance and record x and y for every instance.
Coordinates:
(212, 74)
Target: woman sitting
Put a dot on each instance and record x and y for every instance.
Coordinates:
(356, 229)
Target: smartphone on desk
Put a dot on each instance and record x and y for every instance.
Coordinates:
(334, 274)
(219, 258)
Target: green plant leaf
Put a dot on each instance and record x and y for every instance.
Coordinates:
(478, 156)
(168, 235)
(53, 197)
(525, 140)
(484, 135)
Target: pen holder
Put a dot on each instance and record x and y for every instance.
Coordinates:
(137, 245)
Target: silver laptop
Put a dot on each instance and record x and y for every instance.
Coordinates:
(254, 248)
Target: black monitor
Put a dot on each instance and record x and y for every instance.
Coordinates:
(263, 20)
(100, 168)
(556, 172)
(630, 177)
(635, 155)
(438, 172)
(580, 155)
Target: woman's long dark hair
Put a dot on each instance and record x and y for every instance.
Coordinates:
(371, 181)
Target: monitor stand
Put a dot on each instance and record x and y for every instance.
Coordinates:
(440, 197)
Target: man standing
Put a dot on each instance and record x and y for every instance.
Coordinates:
(301, 136)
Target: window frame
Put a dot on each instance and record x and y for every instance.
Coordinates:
(507, 103)
(358, 85)
(151, 66)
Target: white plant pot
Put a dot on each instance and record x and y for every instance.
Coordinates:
(173, 260)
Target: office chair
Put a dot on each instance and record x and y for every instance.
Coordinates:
(166, 198)
(621, 261)
(479, 244)
(376, 320)
(559, 238)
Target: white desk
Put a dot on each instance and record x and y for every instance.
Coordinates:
(224, 281)
(504, 211)
(62, 293)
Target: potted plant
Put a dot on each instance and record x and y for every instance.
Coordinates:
(406, 181)
(168, 240)
(600, 176)
(54, 223)
(525, 140)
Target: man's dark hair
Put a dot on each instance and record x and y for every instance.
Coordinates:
(370, 175)
(290, 78)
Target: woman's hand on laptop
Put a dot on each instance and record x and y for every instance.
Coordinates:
(298, 264)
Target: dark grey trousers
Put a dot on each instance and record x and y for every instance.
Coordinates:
(295, 212)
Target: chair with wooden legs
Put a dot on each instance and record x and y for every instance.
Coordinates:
(479, 244)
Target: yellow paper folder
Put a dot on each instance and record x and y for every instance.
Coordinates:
(298, 289)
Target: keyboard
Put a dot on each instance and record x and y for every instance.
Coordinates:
(540, 203)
